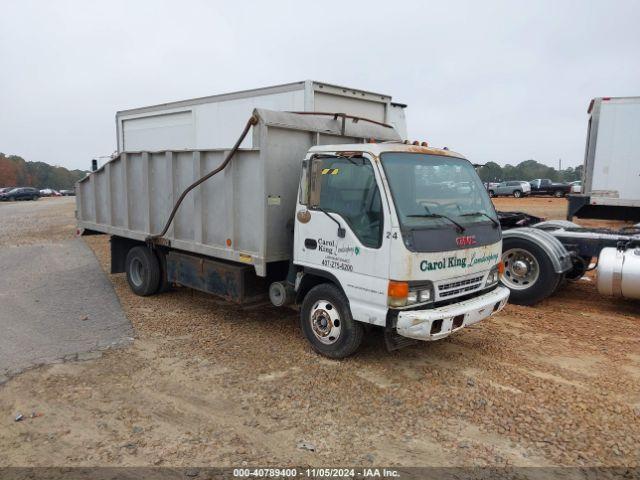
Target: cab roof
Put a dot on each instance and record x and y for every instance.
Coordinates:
(378, 148)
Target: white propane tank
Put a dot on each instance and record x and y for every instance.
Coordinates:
(619, 272)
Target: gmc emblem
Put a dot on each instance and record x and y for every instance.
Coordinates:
(466, 240)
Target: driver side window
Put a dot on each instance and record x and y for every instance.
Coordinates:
(349, 188)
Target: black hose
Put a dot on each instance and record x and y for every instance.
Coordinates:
(252, 121)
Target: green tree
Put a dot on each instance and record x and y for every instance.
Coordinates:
(490, 172)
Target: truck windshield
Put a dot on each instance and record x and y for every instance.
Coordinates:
(428, 189)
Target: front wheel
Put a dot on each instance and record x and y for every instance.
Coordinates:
(528, 272)
(327, 324)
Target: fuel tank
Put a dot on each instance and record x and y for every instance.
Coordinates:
(619, 272)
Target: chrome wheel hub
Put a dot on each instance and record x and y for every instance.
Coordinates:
(325, 322)
(521, 269)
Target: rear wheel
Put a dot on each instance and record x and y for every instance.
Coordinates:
(558, 194)
(528, 272)
(517, 193)
(327, 324)
(143, 271)
(492, 193)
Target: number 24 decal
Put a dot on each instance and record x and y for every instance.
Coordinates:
(394, 236)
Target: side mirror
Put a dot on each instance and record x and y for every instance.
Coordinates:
(304, 183)
(315, 183)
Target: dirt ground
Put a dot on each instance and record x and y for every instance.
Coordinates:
(208, 384)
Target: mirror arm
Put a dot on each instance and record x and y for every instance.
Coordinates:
(341, 231)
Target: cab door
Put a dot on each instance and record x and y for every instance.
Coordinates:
(339, 231)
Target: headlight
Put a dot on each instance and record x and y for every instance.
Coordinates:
(412, 297)
(493, 277)
(425, 295)
(402, 294)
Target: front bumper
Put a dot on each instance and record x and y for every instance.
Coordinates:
(418, 324)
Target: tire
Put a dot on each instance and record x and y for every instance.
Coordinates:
(558, 194)
(143, 271)
(12, 199)
(342, 335)
(492, 193)
(164, 285)
(34, 198)
(517, 193)
(540, 279)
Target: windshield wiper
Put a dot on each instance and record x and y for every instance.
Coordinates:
(459, 227)
(496, 224)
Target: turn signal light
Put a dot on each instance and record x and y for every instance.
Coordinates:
(500, 267)
(398, 293)
(398, 289)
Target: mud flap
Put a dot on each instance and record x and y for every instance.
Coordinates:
(393, 341)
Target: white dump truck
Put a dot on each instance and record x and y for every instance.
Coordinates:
(329, 212)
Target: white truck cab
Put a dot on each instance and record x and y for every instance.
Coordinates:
(407, 237)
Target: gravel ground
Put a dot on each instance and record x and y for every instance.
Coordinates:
(47, 220)
(207, 383)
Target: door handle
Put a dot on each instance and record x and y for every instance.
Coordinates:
(310, 243)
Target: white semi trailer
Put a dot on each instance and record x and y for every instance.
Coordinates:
(611, 172)
(332, 213)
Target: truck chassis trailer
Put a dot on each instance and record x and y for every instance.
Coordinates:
(538, 255)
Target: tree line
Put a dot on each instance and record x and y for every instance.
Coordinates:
(527, 170)
(15, 171)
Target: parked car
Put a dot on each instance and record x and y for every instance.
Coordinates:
(68, 193)
(49, 192)
(576, 187)
(23, 193)
(6, 189)
(516, 188)
(544, 186)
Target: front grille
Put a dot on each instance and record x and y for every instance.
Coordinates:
(459, 287)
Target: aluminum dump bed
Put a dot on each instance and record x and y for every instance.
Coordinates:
(244, 214)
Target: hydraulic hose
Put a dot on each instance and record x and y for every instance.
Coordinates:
(253, 120)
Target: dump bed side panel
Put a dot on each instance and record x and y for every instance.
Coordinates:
(133, 194)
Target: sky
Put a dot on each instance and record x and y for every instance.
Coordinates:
(496, 81)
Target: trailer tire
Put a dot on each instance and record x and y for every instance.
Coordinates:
(326, 321)
(163, 286)
(528, 272)
(143, 271)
